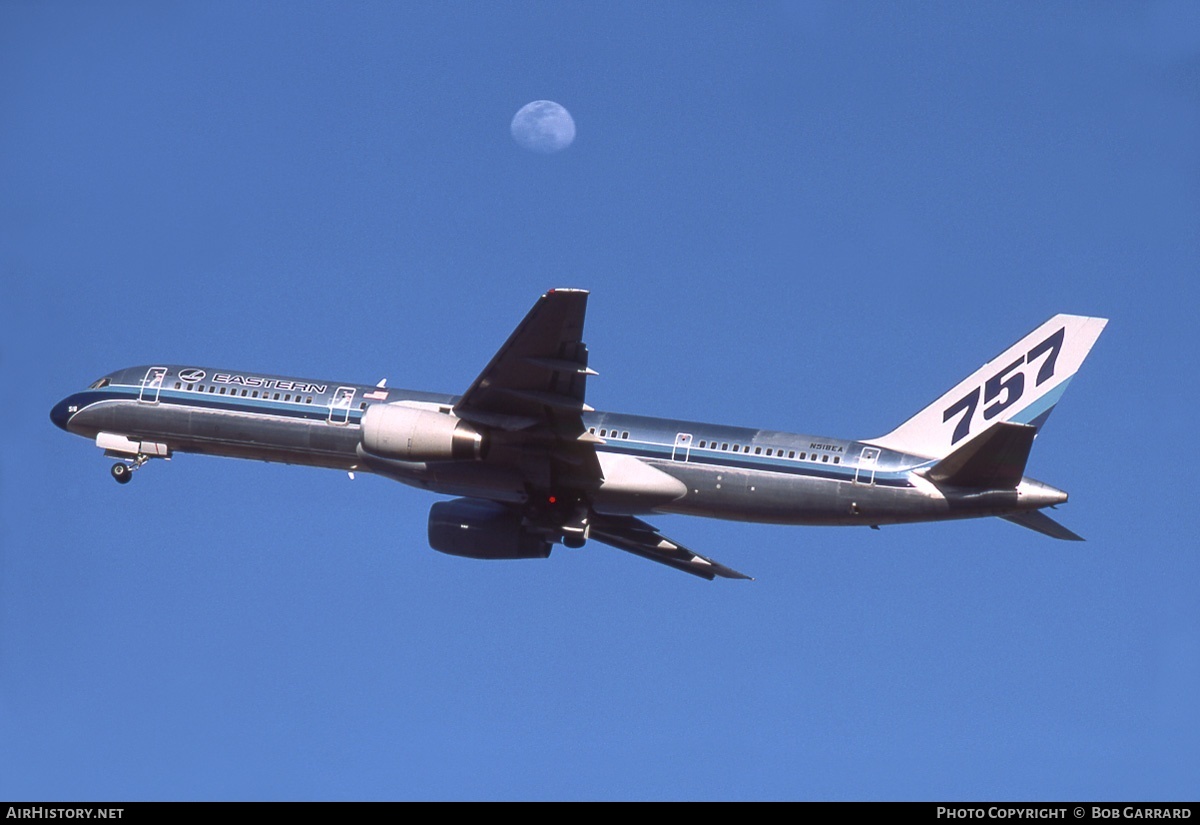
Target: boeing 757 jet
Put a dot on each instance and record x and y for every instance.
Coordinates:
(532, 465)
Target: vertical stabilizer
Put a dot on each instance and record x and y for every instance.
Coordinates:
(1021, 385)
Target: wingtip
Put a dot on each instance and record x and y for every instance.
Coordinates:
(729, 573)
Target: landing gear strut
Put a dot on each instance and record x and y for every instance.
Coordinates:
(122, 471)
(577, 528)
(566, 517)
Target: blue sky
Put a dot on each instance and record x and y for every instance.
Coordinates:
(804, 216)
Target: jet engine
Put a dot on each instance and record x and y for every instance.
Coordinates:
(412, 434)
(480, 529)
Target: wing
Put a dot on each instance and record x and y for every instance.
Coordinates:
(531, 396)
(636, 536)
(537, 379)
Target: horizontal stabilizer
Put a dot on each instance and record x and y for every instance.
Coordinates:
(993, 461)
(1039, 522)
(636, 536)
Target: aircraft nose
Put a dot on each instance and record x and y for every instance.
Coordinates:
(61, 413)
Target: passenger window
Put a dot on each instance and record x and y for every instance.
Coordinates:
(276, 397)
(758, 450)
(212, 389)
(824, 459)
(243, 393)
(189, 386)
(592, 430)
(363, 405)
(625, 434)
(177, 385)
(222, 391)
(254, 394)
(701, 444)
(791, 453)
(308, 400)
(803, 456)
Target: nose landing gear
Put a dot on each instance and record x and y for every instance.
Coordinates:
(132, 452)
(122, 471)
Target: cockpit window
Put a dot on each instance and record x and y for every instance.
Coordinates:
(103, 382)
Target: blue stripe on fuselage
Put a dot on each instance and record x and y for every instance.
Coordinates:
(213, 401)
(774, 464)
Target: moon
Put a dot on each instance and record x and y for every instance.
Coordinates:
(543, 126)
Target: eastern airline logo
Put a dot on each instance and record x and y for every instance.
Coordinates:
(191, 376)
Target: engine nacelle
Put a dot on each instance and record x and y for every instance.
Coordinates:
(481, 529)
(412, 434)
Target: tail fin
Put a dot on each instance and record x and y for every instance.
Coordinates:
(1021, 385)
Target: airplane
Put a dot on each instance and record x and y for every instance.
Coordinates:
(532, 465)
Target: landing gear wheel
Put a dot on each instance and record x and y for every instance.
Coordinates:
(122, 472)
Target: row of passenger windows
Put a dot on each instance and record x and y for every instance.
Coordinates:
(736, 448)
(233, 391)
(606, 433)
(776, 451)
(245, 393)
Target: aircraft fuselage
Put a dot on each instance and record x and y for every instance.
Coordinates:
(651, 465)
